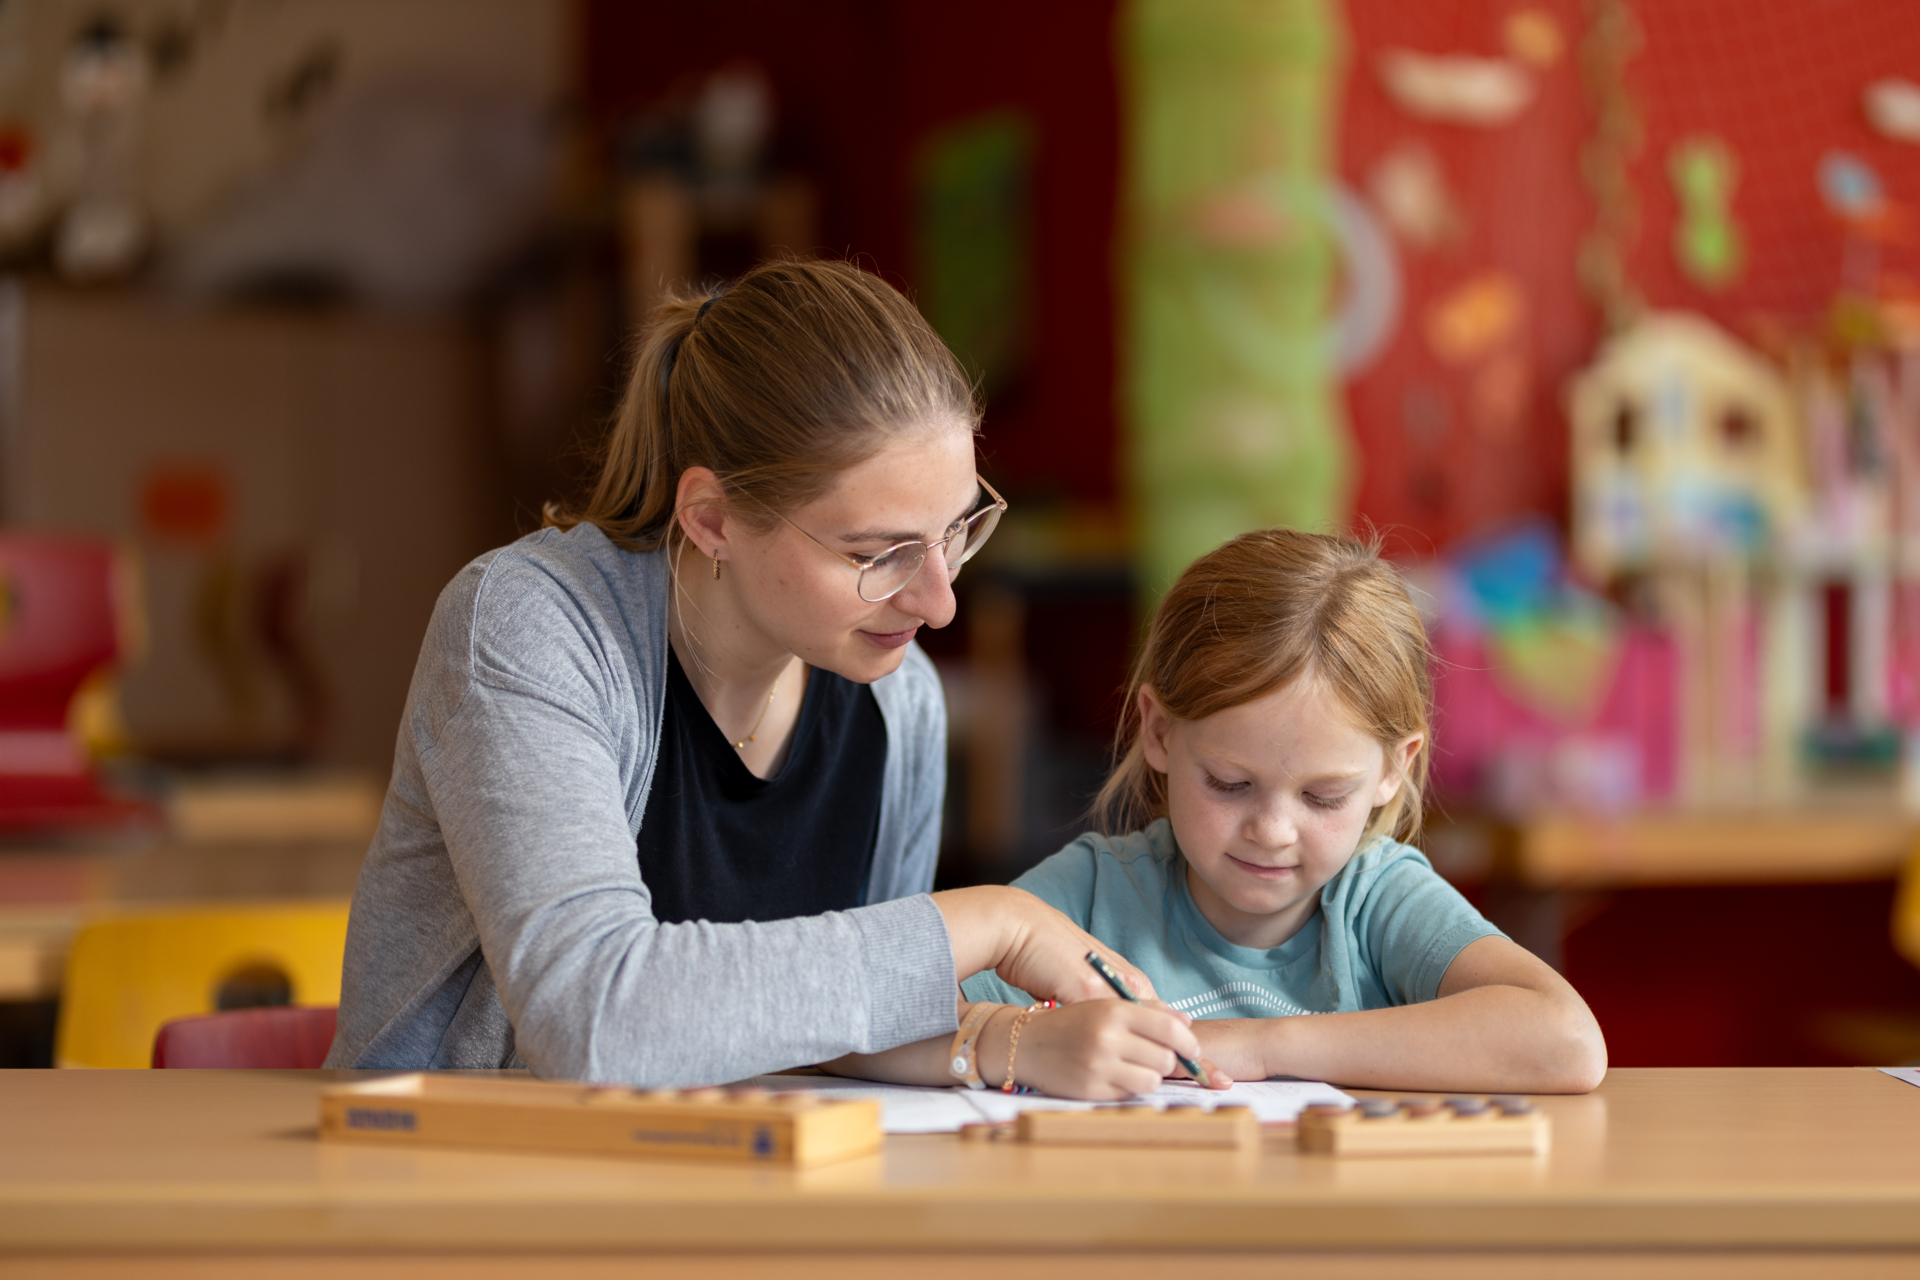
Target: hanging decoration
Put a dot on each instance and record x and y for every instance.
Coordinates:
(1613, 37)
(1456, 88)
(1475, 317)
(1534, 37)
(1411, 190)
(1893, 108)
(1707, 242)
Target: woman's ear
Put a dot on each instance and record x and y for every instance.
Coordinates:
(700, 507)
(1399, 761)
(1154, 726)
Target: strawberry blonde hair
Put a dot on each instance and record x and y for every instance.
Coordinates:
(1262, 611)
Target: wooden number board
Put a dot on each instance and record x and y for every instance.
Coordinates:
(746, 1125)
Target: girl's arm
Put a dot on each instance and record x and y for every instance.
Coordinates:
(1504, 1022)
(1098, 1049)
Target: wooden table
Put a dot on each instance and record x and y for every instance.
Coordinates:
(1661, 1173)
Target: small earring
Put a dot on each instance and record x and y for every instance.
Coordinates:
(716, 568)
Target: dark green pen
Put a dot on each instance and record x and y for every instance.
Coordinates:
(1119, 985)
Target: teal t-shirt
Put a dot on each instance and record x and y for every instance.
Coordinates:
(1387, 928)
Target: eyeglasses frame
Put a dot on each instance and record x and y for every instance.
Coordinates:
(866, 563)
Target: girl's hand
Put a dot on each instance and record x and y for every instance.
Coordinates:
(1235, 1044)
(1033, 947)
(1100, 1050)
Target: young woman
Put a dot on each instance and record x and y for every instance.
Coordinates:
(666, 797)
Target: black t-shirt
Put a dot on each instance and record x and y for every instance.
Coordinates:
(717, 843)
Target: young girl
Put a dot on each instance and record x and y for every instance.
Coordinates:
(1275, 742)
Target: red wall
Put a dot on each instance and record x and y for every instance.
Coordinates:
(1779, 83)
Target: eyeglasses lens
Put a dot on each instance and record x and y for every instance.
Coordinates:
(972, 536)
(889, 575)
(892, 572)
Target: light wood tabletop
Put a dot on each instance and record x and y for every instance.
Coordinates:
(1660, 1172)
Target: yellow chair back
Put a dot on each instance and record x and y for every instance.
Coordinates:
(1906, 911)
(128, 974)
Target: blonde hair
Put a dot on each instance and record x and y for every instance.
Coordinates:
(797, 371)
(1258, 613)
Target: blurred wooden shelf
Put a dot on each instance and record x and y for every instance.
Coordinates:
(1707, 846)
(294, 809)
(261, 838)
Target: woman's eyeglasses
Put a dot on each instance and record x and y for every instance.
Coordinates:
(887, 574)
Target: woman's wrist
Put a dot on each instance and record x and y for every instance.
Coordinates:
(983, 923)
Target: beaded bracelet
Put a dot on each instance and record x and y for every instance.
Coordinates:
(960, 1062)
(1013, 1044)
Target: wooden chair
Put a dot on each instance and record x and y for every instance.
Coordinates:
(285, 1038)
(128, 976)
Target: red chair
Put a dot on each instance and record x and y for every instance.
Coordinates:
(286, 1037)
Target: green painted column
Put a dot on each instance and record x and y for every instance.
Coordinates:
(1229, 268)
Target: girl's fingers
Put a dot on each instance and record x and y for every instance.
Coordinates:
(1165, 1027)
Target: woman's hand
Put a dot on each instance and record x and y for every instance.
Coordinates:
(1100, 1050)
(1033, 947)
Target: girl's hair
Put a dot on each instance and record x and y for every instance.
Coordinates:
(797, 371)
(1253, 616)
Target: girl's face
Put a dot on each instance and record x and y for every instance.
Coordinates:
(1268, 800)
(805, 600)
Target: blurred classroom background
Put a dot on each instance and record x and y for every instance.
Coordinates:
(1604, 315)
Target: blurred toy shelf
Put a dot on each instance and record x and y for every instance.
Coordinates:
(1704, 846)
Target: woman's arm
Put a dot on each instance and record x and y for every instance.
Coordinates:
(1034, 947)
(1099, 1049)
(1503, 1022)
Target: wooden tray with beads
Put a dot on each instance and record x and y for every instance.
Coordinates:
(1426, 1127)
(752, 1126)
(1230, 1128)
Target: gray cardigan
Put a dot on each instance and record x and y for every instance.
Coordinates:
(500, 918)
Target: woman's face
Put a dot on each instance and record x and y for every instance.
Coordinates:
(806, 601)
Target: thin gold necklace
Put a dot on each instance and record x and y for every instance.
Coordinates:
(742, 744)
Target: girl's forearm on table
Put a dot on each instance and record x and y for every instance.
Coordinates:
(1484, 1039)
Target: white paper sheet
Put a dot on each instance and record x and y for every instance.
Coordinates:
(1910, 1074)
(1273, 1101)
(914, 1109)
(904, 1108)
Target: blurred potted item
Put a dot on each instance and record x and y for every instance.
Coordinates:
(699, 194)
(104, 232)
